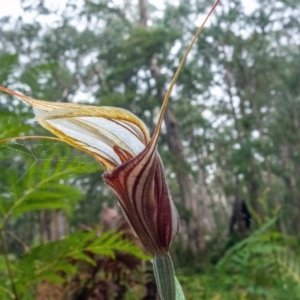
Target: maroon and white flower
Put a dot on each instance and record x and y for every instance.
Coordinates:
(133, 169)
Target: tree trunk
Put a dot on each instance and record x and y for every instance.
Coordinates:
(194, 226)
(194, 223)
(59, 225)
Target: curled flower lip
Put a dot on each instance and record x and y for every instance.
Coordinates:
(95, 130)
(133, 169)
(99, 131)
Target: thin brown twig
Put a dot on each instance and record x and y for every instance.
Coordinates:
(15, 237)
(10, 274)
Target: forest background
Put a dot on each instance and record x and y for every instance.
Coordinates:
(230, 145)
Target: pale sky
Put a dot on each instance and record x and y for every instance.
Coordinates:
(13, 8)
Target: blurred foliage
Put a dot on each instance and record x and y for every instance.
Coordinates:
(74, 266)
(259, 267)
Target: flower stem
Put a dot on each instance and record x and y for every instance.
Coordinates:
(167, 284)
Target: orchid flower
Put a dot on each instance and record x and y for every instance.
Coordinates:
(133, 169)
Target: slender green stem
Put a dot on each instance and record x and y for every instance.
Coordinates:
(167, 284)
(9, 271)
(164, 276)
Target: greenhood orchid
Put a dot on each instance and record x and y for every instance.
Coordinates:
(133, 169)
(121, 143)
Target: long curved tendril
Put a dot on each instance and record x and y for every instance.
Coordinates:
(30, 137)
(175, 77)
